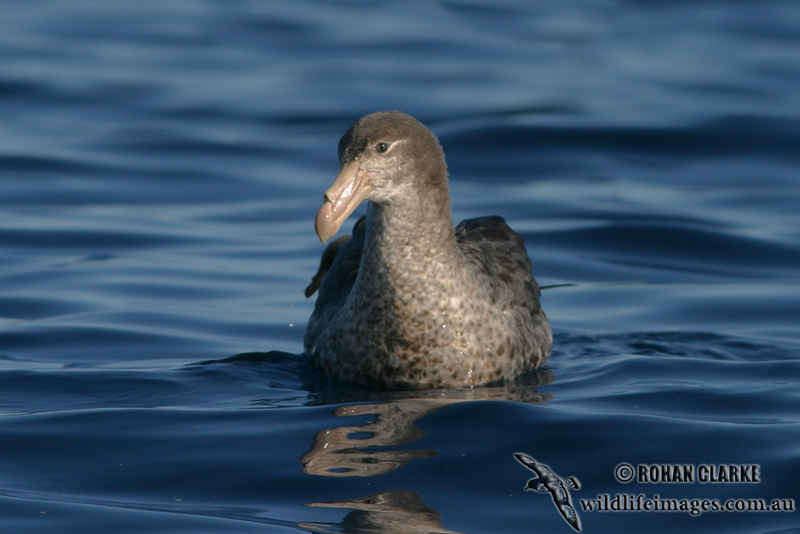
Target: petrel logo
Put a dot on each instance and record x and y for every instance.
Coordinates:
(546, 481)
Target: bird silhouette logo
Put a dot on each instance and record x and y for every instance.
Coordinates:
(546, 481)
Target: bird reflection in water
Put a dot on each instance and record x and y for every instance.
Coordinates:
(385, 512)
(372, 449)
(349, 451)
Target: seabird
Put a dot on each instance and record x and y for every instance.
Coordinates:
(547, 481)
(409, 301)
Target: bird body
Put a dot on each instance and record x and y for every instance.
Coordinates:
(409, 301)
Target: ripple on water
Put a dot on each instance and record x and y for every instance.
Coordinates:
(161, 165)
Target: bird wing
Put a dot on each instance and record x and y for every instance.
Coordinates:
(325, 262)
(527, 461)
(569, 513)
(338, 267)
(498, 252)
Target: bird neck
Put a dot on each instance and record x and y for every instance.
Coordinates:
(416, 226)
(410, 256)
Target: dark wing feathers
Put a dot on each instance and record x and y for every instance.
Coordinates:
(325, 262)
(499, 252)
(342, 258)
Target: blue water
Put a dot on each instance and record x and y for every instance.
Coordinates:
(160, 167)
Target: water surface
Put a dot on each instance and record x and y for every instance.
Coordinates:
(161, 166)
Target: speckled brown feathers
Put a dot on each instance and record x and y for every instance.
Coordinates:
(499, 253)
(409, 301)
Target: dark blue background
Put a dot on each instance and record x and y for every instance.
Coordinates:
(161, 163)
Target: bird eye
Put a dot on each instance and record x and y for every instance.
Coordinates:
(382, 147)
